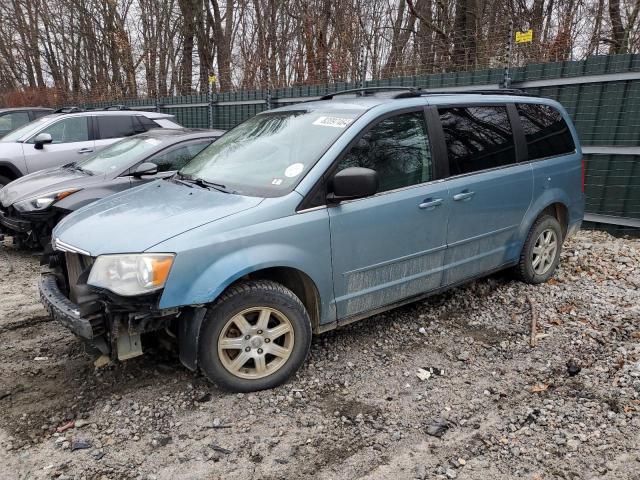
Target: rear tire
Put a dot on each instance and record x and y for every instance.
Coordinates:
(541, 252)
(254, 337)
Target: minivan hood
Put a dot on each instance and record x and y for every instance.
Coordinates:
(45, 181)
(137, 219)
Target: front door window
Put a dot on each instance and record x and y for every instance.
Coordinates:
(69, 130)
(397, 148)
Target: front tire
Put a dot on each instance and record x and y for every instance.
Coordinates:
(254, 337)
(4, 181)
(541, 252)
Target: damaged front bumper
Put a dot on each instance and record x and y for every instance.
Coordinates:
(11, 224)
(66, 312)
(111, 324)
(31, 230)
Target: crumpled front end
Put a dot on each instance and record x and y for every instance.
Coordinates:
(31, 230)
(107, 322)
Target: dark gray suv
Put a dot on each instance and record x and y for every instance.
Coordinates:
(32, 205)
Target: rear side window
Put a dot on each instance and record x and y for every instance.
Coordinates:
(40, 113)
(545, 130)
(10, 121)
(477, 138)
(146, 123)
(116, 126)
(397, 148)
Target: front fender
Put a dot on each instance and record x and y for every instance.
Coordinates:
(199, 275)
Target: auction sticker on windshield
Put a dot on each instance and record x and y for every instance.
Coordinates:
(294, 170)
(337, 122)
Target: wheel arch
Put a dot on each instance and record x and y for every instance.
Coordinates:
(301, 284)
(553, 202)
(560, 212)
(9, 170)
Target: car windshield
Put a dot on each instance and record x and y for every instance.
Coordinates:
(118, 156)
(26, 129)
(270, 153)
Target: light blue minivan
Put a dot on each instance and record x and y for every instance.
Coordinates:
(311, 216)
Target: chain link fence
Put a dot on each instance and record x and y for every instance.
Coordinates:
(601, 93)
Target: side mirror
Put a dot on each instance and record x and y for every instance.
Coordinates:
(41, 139)
(145, 168)
(353, 182)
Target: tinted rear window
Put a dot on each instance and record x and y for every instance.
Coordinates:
(546, 132)
(477, 138)
(116, 126)
(146, 123)
(40, 113)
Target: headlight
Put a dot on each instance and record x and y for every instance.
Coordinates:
(41, 202)
(131, 274)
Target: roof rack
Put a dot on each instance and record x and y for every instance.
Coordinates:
(411, 92)
(68, 110)
(116, 107)
(418, 92)
(364, 91)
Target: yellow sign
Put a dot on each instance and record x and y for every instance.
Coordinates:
(212, 79)
(524, 37)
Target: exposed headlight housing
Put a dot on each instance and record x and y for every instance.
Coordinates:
(42, 202)
(131, 274)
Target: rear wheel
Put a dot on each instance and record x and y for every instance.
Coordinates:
(254, 337)
(541, 252)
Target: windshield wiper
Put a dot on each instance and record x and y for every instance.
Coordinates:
(201, 182)
(181, 179)
(78, 168)
(216, 186)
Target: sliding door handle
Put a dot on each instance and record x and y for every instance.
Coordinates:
(463, 196)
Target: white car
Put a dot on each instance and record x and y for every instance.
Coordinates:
(68, 136)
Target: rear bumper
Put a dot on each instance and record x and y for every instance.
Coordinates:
(62, 309)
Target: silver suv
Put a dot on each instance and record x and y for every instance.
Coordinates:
(12, 118)
(68, 136)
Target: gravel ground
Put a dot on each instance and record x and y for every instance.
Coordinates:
(492, 407)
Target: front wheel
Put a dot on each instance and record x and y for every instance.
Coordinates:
(541, 252)
(255, 336)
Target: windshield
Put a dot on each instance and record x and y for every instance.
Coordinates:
(118, 156)
(25, 130)
(270, 153)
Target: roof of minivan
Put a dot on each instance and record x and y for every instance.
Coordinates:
(362, 103)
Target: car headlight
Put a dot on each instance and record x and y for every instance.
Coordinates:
(131, 274)
(41, 202)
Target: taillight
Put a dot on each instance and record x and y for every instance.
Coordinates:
(582, 174)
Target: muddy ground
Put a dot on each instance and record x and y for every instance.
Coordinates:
(567, 408)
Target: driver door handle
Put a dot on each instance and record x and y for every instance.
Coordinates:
(85, 150)
(430, 203)
(465, 195)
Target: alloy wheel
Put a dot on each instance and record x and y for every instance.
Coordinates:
(256, 342)
(544, 251)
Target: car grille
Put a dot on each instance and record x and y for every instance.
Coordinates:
(78, 269)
